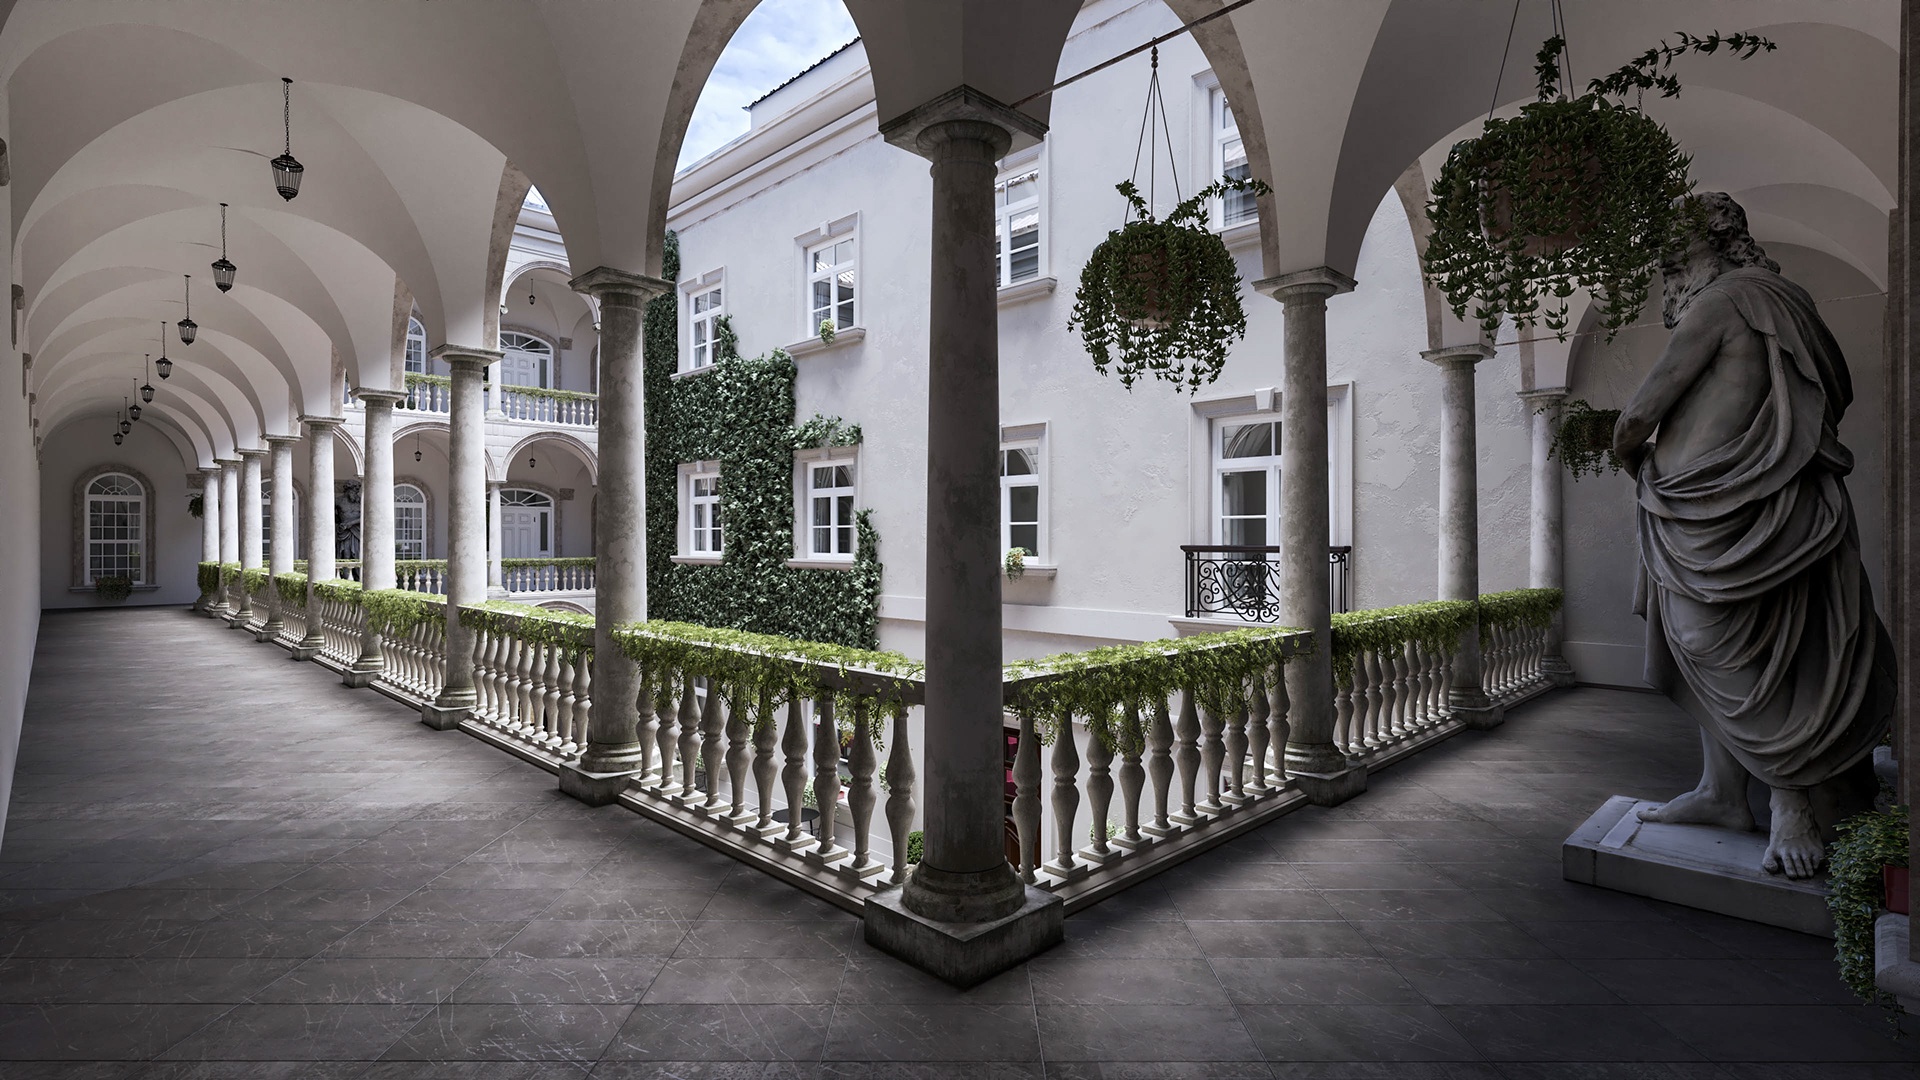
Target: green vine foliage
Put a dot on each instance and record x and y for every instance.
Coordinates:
(228, 571)
(254, 580)
(1867, 842)
(1100, 685)
(393, 612)
(1162, 298)
(113, 588)
(1436, 624)
(197, 504)
(1584, 442)
(338, 590)
(293, 589)
(208, 578)
(1531, 608)
(568, 630)
(759, 672)
(740, 412)
(1574, 193)
(567, 563)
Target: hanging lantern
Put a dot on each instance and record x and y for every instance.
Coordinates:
(222, 269)
(126, 425)
(188, 328)
(287, 170)
(146, 389)
(119, 437)
(163, 365)
(134, 412)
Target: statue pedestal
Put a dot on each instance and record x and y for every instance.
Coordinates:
(1694, 865)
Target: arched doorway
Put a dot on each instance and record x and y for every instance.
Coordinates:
(526, 360)
(526, 524)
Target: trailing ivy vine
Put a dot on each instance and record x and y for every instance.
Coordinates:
(393, 612)
(1867, 842)
(228, 571)
(338, 590)
(293, 589)
(254, 580)
(569, 630)
(1584, 442)
(1436, 624)
(1533, 608)
(208, 577)
(116, 587)
(740, 412)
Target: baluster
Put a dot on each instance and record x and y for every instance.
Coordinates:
(1343, 698)
(1186, 755)
(861, 797)
(1394, 665)
(1213, 754)
(1236, 742)
(1259, 736)
(1066, 796)
(1406, 668)
(1372, 728)
(900, 778)
(1026, 797)
(689, 741)
(519, 689)
(712, 724)
(793, 774)
(1132, 775)
(1160, 767)
(766, 731)
(826, 778)
(490, 679)
(583, 712)
(563, 714)
(740, 730)
(1099, 790)
(550, 718)
(1278, 720)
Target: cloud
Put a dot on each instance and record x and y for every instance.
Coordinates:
(778, 41)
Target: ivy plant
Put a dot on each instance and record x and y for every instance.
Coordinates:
(293, 589)
(1584, 442)
(228, 571)
(1162, 297)
(1574, 193)
(254, 580)
(338, 590)
(197, 504)
(740, 412)
(1867, 842)
(1532, 608)
(1015, 563)
(208, 577)
(116, 587)
(568, 630)
(394, 612)
(1436, 624)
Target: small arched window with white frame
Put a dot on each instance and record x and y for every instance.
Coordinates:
(409, 522)
(116, 523)
(416, 346)
(528, 360)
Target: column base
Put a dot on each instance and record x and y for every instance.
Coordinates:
(1331, 788)
(965, 954)
(215, 611)
(359, 678)
(303, 651)
(444, 717)
(268, 632)
(1557, 670)
(495, 592)
(594, 788)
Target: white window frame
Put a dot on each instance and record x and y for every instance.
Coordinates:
(713, 280)
(829, 233)
(1029, 164)
(399, 539)
(804, 462)
(143, 506)
(416, 349)
(694, 538)
(1032, 438)
(1272, 464)
(1220, 135)
(550, 505)
(1208, 413)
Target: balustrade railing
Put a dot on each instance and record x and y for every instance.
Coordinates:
(292, 599)
(427, 394)
(1242, 581)
(533, 677)
(547, 575)
(343, 622)
(421, 575)
(543, 406)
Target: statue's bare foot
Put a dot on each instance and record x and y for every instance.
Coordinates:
(1703, 807)
(1794, 848)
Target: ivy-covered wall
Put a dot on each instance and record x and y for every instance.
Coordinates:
(741, 414)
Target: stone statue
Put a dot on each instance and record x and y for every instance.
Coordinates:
(1760, 619)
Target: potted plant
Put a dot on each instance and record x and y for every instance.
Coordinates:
(1574, 193)
(1584, 442)
(114, 588)
(1869, 845)
(826, 331)
(1015, 563)
(1161, 297)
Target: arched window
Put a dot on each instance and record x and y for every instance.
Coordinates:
(416, 346)
(526, 524)
(409, 522)
(116, 529)
(528, 360)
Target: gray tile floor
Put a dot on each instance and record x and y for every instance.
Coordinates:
(219, 863)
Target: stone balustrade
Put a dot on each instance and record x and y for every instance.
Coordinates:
(342, 622)
(421, 575)
(427, 394)
(293, 608)
(547, 575)
(539, 405)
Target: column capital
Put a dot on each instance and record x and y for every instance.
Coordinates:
(210, 472)
(281, 440)
(496, 485)
(1545, 397)
(927, 127)
(227, 462)
(604, 282)
(1458, 354)
(249, 453)
(379, 397)
(322, 421)
(456, 355)
(1317, 282)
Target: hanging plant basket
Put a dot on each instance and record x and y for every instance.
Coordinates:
(1585, 439)
(197, 505)
(113, 588)
(1574, 193)
(1162, 297)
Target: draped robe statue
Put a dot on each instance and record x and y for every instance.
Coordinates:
(1760, 619)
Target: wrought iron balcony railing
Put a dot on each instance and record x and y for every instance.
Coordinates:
(1242, 581)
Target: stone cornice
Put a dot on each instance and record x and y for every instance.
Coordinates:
(1322, 281)
(1546, 395)
(277, 440)
(371, 396)
(252, 452)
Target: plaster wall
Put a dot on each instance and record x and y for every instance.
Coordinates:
(79, 448)
(19, 538)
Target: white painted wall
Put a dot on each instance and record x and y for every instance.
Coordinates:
(19, 538)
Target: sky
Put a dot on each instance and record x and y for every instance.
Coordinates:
(779, 40)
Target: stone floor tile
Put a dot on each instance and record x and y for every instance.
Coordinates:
(1397, 939)
(719, 980)
(439, 904)
(1786, 1032)
(251, 1070)
(611, 902)
(343, 874)
(811, 939)
(1314, 981)
(1416, 905)
(1159, 1070)
(1276, 939)
(716, 1070)
(1264, 905)
(873, 977)
(384, 980)
(90, 937)
(605, 980)
(934, 1033)
(415, 938)
(1084, 980)
(96, 1031)
(1600, 1033)
(1502, 981)
(1169, 940)
(1695, 981)
(319, 905)
(255, 938)
(492, 1032)
(595, 938)
(475, 1070)
(1615, 940)
(723, 1033)
(1294, 1033)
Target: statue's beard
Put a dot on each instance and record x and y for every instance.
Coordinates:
(1680, 285)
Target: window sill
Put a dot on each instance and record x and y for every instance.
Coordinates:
(1244, 235)
(691, 372)
(89, 588)
(1027, 290)
(809, 346)
(1034, 570)
(820, 563)
(697, 560)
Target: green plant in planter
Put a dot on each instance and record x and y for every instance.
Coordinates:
(1162, 297)
(208, 578)
(1574, 193)
(1585, 439)
(1015, 563)
(113, 588)
(1867, 842)
(826, 331)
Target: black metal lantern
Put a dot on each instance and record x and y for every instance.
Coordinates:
(119, 437)
(146, 389)
(416, 448)
(163, 365)
(126, 425)
(188, 328)
(222, 269)
(287, 170)
(134, 412)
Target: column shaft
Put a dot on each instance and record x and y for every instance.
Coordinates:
(252, 549)
(466, 529)
(496, 576)
(1460, 522)
(210, 532)
(230, 511)
(376, 515)
(321, 528)
(1547, 522)
(280, 561)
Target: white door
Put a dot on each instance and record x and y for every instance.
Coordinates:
(526, 525)
(525, 361)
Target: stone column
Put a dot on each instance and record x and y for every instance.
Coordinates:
(280, 451)
(1324, 773)
(210, 534)
(963, 877)
(230, 534)
(614, 752)
(466, 530)
(496, 573)
(322, 532)
(250, 544)
(376, 520)
(1460, 524)
(1547, 522)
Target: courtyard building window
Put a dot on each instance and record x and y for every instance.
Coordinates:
(116, 528)
(830, 495)
(1020, 525)
(706, 309)
(831, 273)
(409, 522)
(1246, 487)
(1016, 242)
(266, 520)
(526, 524)
(1230, 162)
(526, 360)
(416, 347)
(701, 503)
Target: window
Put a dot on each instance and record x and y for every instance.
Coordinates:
(1246, 486)
(1020, 499)
(416, 347)
(1229, 162)
(536, 201)
(700, 494)
(116, 529)
(830, 493)
(830, 284)
(705, 307)
(528, 361)
(409, 522)
(1016, 243)
(526, 524)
